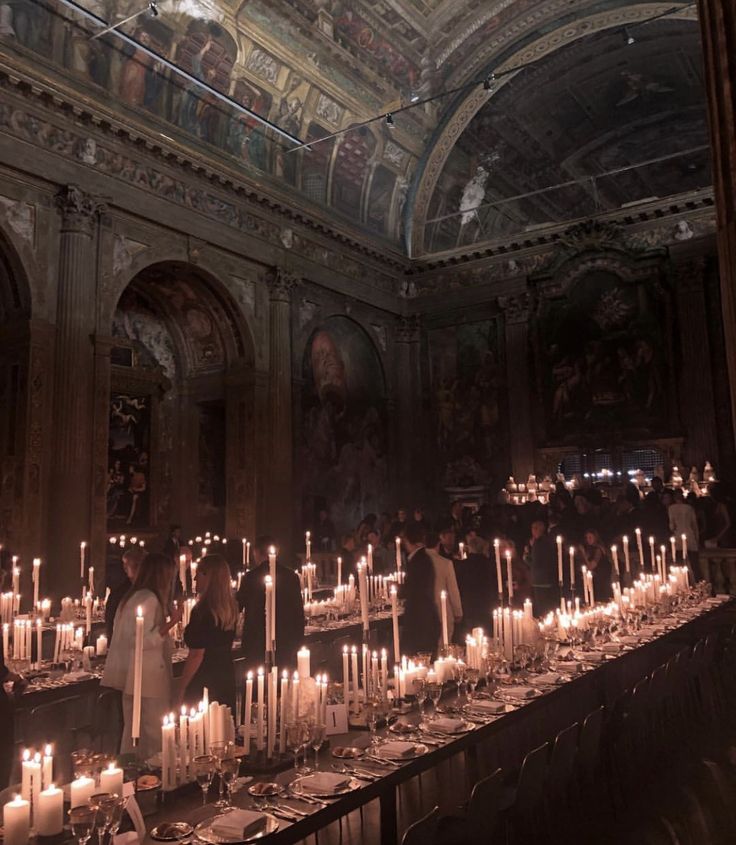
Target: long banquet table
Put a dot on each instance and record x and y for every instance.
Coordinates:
(379, 810)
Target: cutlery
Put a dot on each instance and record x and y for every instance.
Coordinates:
(297, 812)
(307, 799)
(362, 773)
(345, 771)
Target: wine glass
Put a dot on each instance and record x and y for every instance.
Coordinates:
(116, 817)
(420, 692)
(472, 677)
(434, 691)
(305, 769)
(317, 738)
(220, 750)
(204, 771)
(371, 718)
(229, 770)
(82, 821)
(104, 803)
(294, 741)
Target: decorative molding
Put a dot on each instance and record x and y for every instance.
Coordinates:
(79, 210)
(408, 329)
(516, 309)
(281, 283)
(690, 274)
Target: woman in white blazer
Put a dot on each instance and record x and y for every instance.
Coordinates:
(151, 592)
(444, 579)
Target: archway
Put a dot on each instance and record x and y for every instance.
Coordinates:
(180, 406)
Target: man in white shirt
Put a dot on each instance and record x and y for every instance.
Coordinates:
(684, 521)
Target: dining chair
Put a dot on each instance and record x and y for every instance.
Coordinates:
(424, 831)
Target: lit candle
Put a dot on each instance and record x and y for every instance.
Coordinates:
(47, 767)
(572, 565)
(397, 542)
(30, 778)
(509, 576)
(269, 609)
(101, 645)
(443, 604)
(273, 691)
(16, 576)
(651, 554)
(499, 579)
(82, 789)
(168, 753)
(673, 547)
(91, 578)
(639, 547)
(614, 555)
(303, 662)
(339, 572)
(49, 819)
(36, 580)
(82, 547)
(627, 561)
(354, 666)
(137, 677)
(248, 710)
(461, 550)
(111, 780)
(308, 545)
(560, 577)
(683, 538)
(39, 642)
(272, 573)
(345, 676)
(17, 821)
(183, 573)
(245, 553)
(259, 720)
(395, 622)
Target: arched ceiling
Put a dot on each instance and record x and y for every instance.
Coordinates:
(315, 67)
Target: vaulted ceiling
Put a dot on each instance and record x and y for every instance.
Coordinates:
(573, 100)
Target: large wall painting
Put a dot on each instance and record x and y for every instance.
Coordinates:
(343, 441)
(602, 360)
(469, 403)
(128, 495)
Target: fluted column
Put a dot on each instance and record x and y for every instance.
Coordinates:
(408, 404)
(70, 499)
(278, 480)
(516, 314)
(718, 28)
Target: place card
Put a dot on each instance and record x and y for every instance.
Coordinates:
(336, 719)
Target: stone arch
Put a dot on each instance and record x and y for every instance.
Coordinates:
(16, 301)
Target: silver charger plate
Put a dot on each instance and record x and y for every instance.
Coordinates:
(297, 789)
(419, 751)
(466, 728)
(171, 831)
(204, 832)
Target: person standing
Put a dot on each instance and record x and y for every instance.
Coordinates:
(541, 553)
(420, 622)
(289, 611)
(7, 718)
(476, 581)
(445, 581)
(209, 637)
(151, 591)
(131, 560)
(684, 522)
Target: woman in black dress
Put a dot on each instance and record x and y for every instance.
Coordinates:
(209, 637)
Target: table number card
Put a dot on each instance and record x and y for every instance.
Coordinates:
(336, 719)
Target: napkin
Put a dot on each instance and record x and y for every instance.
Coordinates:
(488, 707)
(324, 782)
(612, 648)
(448, 726)
(629, 639)
(519, 692)
(238, 824)
(547, 678)
(396, 749)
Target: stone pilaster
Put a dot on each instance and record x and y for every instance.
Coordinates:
(409, 417)
(697, 404)
(280, 495)
(516, 318)
(718, 28)
(70, 498)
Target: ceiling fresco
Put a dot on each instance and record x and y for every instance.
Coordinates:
(315, 67)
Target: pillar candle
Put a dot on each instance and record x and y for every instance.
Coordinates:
(273, 687)
(303, 662)
(135, 731)
(272, 573)
(101, 645)
(185, 755)
(49, 820)
(31, 778)
(384, 673)
(111, 780)
(259, 721)
(395, 621)
(560, 577)
(36, 579)
(443, 605)
(82, 789)
(39, 642)
(509, 576)
(168, 754)
(17, 821)
(627, 560)
(248, 711)
(295, 695)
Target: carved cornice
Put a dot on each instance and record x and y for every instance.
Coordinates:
(408, 328)
(516, 309)
(79, 210)
(281, 283)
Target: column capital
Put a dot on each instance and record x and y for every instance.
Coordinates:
(281, 283)
(407, 330)
(516, 309)
(79, 210)
(690, 273)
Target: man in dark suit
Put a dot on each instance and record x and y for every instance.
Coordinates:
(420, 623)
(542, 557)
(172, 546)
(289, 611)
(476, 580)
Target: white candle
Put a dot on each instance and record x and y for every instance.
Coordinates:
(111, 780)
(245, 554)
(509, 576)
(82, 789)
(36, 580)
(627, 561)
(354, 666)
(284, 703)
(397, 542)
(384, 673)
(273, 691)
(17, 821)
(49, 820)
(308, 545)
(101, 645)
(259, 721)
(47, 767)
(443, 604)
(499, 579)
(183, 573)
(135, 731)
(295, 700)
(639, 547)
(572, 565)
(673, 547)
(560, 577)
(39, 642)
(683, 538)
(31, 778)
(91, 577)
(345, 676)
(272, 573)
(168, 754)
(303, 662)
(339, 571)
(651, 553)
(614, 555)
(82, 547)
(269, 608)
(363, 590)
(395, 621)
(248, 710)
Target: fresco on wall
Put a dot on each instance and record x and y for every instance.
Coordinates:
(469, 403)
(205, 48)
(343, 433)
(128, 472)
(602, 360)
(134, 320)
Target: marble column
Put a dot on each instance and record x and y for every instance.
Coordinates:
(516, 318)
(409, 419)
(278, 480)
(70, 491)
(697, 403)
(718, 28)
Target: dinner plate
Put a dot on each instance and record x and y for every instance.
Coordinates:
(264, 790)
(419, 750)
(505, 694)
(204, 832)
(347, 752)
(466, 728)
(402, 728)
(296, 788)
(171, 831)
(473, 713)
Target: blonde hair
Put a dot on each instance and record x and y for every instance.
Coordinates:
(156, 574)
(218, 597)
